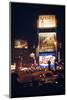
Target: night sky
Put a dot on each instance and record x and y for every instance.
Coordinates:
(24, 17)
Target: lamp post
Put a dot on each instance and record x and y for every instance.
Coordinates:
(32, 55)
(55, 43)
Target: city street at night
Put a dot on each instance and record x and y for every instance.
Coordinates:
(36, 87)
(37, 50)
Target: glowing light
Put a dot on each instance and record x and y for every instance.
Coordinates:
(13, 67)
(60, 68)
(22, 69)
(55, 43)
(56, 82)
(57, 67)
(32, 55)
(26, 47)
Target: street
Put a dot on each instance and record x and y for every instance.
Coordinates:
(34, 84)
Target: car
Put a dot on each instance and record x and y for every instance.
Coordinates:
(47, 77)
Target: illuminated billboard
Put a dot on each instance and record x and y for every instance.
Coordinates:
(47, 42)
(20, 44)
(46, 21)
(45, 57)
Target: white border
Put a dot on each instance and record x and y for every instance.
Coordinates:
(4, 48)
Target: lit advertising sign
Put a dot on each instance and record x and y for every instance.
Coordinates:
(47, 42)
(45, 57)
(20, 44)
(46, 21)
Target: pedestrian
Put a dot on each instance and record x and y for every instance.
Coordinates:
(55, 64)
(49, 65)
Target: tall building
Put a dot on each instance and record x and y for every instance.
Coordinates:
(21, 53)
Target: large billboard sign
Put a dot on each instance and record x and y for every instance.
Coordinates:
(47, 42)
(46, 21)
(20, 44)
(45, 57)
